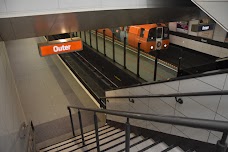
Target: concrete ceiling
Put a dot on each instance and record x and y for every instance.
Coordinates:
(41, 25)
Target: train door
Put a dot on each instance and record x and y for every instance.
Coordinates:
(159, 37)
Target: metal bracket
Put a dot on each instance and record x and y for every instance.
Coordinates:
(131, 100)
(22, 131)
(107, 100)
(179, 100)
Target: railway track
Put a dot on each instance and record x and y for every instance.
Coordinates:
(97, 72)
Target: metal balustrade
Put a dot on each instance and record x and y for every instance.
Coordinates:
(221, 126)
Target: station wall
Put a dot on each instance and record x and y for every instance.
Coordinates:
(208, 107)
(11, 112)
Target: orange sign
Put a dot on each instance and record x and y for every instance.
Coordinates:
(58, 48)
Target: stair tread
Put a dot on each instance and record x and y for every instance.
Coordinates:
(143, 144)
(159, 147)
(110, 139)
(103, 141)
(122, 146)
(115, 142)
(72, 139)
(92, 140)
(176, 149)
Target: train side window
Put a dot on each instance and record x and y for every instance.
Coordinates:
(166, 33)
(142, 32)
(152, 34)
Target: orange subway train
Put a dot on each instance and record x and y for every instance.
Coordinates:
(151, 36)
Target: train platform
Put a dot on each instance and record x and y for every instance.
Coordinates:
(146, 67)
(168, 59)
(189, 58)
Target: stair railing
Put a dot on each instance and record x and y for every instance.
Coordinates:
(103, 100)
(221, 126)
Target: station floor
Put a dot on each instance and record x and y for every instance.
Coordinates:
(46, 87)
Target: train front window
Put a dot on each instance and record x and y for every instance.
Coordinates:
(159, 32)
(152, 34)
(166, 33)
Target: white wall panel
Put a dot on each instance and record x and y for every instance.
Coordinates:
(66, 4)
(28, 5)
(217, 82)
(219, 33)
(39, 7)
(11, 112)
(118, 4)
(223, 106)
(193, 109)
(208, 107)
(194, 85)
(37, 84)
(2, 6)
(173, 26)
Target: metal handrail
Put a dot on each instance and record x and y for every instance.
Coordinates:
(214, 125)
(208, 93)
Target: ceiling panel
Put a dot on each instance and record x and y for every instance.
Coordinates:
(6, 31)
(33, 26)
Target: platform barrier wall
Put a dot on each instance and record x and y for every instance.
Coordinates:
(199, 46)
(218, 36)
(11, 112)
(208, 107)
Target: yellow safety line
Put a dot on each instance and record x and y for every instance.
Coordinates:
(117, 78)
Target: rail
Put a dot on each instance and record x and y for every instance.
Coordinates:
(31, 145)
(214, 125)
(208, 93)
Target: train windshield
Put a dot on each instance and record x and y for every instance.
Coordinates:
(152, 34)
(166, 33)
(159, 32)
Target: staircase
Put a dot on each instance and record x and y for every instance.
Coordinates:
(111, 139)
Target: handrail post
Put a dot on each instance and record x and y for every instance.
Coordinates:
(96, 42)
(90, 41)
(113, 46)
(179, 66)
(156, 64)
(221, 144)
(96, 131)
(85, 36)
(104, 42)
(138, 59)
(71, 120)
(80, 123)
(127, 136)
(125, 39)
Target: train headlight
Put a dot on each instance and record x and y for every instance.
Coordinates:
(63, 40)
(152, 47)
(165, 45)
